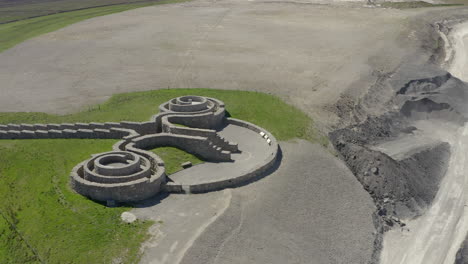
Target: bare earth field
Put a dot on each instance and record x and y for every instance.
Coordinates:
(306, 53)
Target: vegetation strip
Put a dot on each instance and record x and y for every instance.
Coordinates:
(14, 33)
(51, 8)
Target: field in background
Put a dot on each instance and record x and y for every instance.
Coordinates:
(16, 32)
(23, 9)
(43, 220)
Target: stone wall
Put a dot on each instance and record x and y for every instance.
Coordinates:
(73, 130)
(198, 146)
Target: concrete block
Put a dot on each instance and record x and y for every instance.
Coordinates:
(27, 127)
(54, 133)
(112, 124)
(53, 126)
(186, 165)
(14, 127)
(82, 125)
(42, 134)
(40, 127)
(3, 127)
(69, 133)
(14, 134)
(4, 135)
(120, 132)
(94, 125)
(67, 126)
(102, 133)
(27, 134)
(85, 133)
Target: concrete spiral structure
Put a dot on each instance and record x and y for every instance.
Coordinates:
(119, 176)
(192, 111)
(132, 173)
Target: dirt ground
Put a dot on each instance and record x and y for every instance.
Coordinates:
(306, 53)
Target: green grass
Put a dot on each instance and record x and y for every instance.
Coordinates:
(23, 9)
(174, 157)
(14, 33)
(42, 220)
(415, 4)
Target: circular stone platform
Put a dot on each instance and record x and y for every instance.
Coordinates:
(258, 152)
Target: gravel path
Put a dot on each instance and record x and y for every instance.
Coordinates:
(311, 210)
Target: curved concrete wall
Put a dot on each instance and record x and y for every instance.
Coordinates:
(259, 170)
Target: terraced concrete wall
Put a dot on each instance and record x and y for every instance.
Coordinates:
(73, 130)
(199, 146)
(211, 135)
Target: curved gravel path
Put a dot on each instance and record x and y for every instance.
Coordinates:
(311, 210)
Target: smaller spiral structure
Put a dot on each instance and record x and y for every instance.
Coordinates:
(193, 111)
(118, 175)
(191, 104)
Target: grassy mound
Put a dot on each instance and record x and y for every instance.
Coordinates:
(43, 220)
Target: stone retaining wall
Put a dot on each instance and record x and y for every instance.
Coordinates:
(198, 146)
(211, 135)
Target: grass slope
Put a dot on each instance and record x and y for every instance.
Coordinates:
(174, 157)
(14, 33)
(42, 220)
